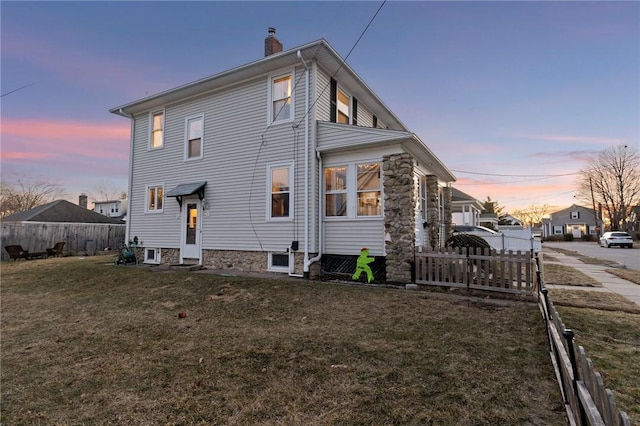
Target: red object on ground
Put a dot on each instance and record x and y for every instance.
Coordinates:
(182, 315)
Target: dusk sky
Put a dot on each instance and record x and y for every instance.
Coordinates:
(513, 97)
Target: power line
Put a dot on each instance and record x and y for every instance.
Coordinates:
(342, 63)
(15, 90)
(501, 175)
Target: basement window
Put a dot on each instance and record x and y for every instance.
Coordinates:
(278, 262)
(152, 255)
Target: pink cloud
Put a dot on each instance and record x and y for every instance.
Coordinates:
(32, 138)
(24, 155)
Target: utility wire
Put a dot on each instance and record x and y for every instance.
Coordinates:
(15, 90)
(342, 63)
(501, 175)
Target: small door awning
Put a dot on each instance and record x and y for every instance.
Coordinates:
(185, 189)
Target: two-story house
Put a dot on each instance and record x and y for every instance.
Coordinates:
(290, 163)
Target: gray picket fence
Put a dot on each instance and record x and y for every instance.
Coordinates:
(476, 268)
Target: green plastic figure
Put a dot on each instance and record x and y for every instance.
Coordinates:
(362, 265)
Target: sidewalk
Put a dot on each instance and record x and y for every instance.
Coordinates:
(610, 283)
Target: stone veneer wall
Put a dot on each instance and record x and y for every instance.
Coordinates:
(234, 260)
(433, 217)
(446, 200)
(399, 216)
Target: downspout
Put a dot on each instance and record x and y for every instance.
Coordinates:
(306, 167)
(127, 231)
(308, 262)
(320, 239)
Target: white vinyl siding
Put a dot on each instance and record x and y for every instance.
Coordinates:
(233, 166)
(349, 236)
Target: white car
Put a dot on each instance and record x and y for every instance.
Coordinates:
(474, 230)
(616, 238)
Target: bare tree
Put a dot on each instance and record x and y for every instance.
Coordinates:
(26, 193)
(104, 191)
(612, 180)
(532, 215)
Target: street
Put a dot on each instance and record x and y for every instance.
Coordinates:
(629, 257)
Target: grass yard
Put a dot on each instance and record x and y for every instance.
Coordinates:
(607, 325)
(86, 342)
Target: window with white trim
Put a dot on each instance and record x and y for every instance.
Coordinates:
(368, 190)
(195, 132)
(281, 99)
(557, 230)
(152, 255)
(157, 130)
(280, 181)
(278, 262)
(575, 215)
(353, 190)
(335, 190)
(154, 202)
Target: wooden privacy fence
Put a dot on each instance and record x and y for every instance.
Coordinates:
(477, 268)
(79, 238)
(586, 399)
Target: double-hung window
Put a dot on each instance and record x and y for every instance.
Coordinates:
(353, 190)
(368, 189)
(281, 103)
(195, 132)
(335, 188)
(344, 107)
(155, 195)
(157, 130)
(280, 190)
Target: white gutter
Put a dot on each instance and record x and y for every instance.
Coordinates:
(127, 233)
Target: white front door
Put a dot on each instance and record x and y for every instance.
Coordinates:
(575, 230)
(191, 226)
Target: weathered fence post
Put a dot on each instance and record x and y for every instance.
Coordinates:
(568, 335)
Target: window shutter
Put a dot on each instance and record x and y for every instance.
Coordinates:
(333, 105)
(354, 119)
(375, 122)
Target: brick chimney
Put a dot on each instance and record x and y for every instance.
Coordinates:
(82, 200)
(271, 43)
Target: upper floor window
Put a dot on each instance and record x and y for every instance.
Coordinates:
(575, 215)
(369, 202)
(343, 107)
(280, 183)
(195, 128)
(157, 130)
(281, 100)
(154, 198)
(335, 186)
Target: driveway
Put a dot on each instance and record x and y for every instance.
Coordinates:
(628, 257)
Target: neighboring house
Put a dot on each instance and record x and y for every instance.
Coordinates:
(466, 210)
(111, 208)
(633, 222)
(288, 164)
(82, 230)
(575, 220)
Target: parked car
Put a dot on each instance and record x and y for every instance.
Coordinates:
(616, 238)
(475, 230)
